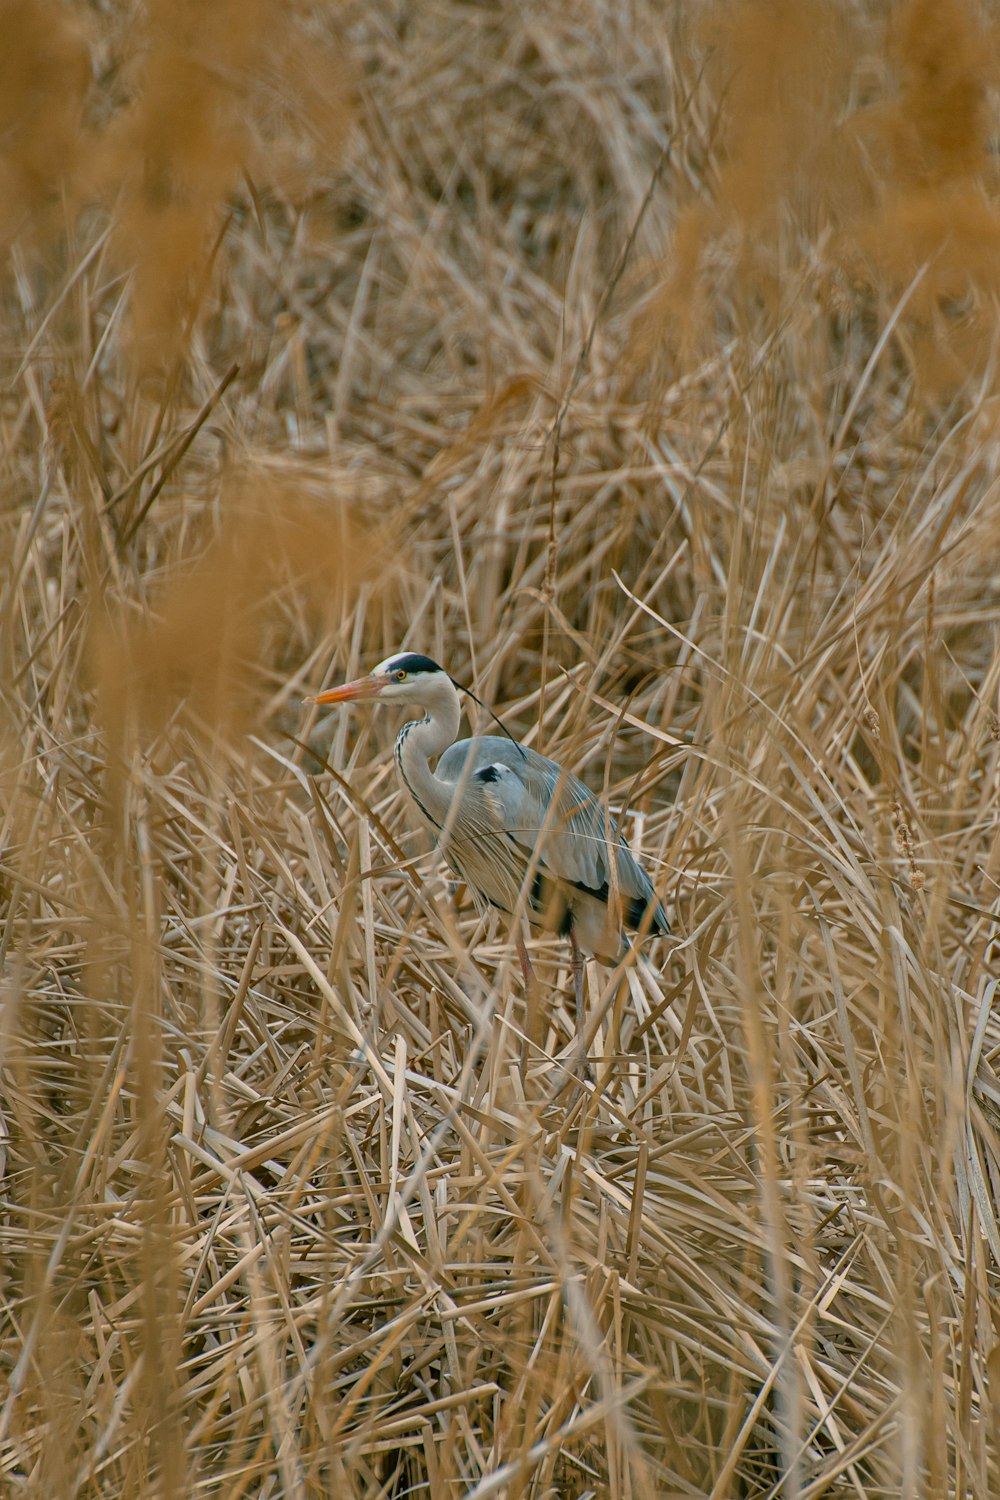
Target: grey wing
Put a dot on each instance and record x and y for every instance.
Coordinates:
(574, 833)
(560, 823)
(477, 839)
(545, 811)
(555, 820)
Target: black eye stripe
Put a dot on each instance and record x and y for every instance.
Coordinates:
(412, 664)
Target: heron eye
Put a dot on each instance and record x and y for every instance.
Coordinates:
(400, 676)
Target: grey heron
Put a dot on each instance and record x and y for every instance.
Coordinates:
(518, 829)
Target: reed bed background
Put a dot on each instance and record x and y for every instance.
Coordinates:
(639, 363)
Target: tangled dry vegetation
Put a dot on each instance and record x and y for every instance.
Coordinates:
(639, 362)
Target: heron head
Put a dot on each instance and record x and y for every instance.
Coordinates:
(405, 677)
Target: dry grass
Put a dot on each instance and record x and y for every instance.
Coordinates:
(639, 362)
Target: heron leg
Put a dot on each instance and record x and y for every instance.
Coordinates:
(530, 1002)
(526, 969)
(575, 1068)
(578, 962)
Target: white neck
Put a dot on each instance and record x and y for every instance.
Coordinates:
(421, 739)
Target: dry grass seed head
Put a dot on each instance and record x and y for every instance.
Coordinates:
(44, 77)
(197, 642)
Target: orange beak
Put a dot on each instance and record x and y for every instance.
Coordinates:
(364, 687)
